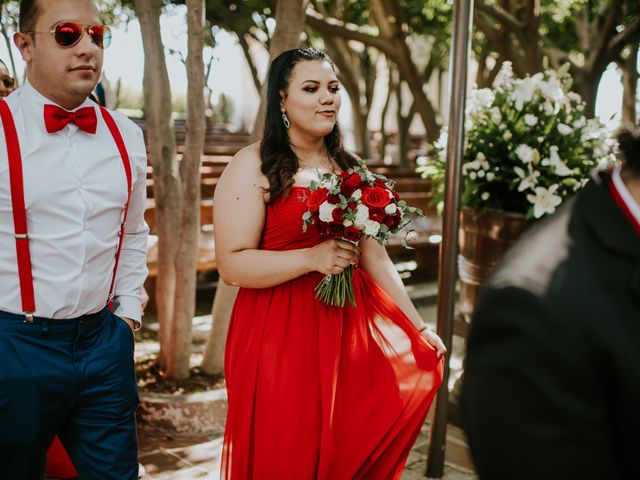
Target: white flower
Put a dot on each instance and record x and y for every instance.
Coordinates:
(362, 215)
(530, 120)
(525, 153)
(371, 228)
(390, 209)
(473, 175)
(564, 129)
(485, 196)
(347, 223)
(481, 173)
(523, 92)
(580, 122)
(326, 211)
(506, 136)
(496, 116)
(357, 194)
(544, 201)
(529, 179)
(491, 176)
(559, 166)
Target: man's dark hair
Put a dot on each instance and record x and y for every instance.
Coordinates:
(629, 142)
(29, 13)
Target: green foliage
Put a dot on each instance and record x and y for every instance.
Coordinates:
(224, 109)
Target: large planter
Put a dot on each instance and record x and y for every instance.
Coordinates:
(183, 416)
(484, 237)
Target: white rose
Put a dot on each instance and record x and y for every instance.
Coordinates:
(326, 211)
(356, 195)
(472, 175)
(485, 196)
(491, 176)
(371, 228)
(390, 209)
(362, 215)
(530, 120)
(347, 223)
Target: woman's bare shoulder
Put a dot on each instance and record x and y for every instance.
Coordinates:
(245, 167)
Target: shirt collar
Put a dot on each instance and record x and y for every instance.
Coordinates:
(35, 101)
(629, 200)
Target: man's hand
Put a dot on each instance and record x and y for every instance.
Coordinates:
(130, 323)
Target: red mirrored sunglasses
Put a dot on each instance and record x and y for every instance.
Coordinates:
(68, 34)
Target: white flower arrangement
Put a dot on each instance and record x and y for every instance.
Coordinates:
(528, 145)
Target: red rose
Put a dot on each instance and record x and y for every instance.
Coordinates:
(331, 198)
(379, 183)
(351, 233)
(375, 197)
(389, 221)
(316, 199)
(377, 215)
(352, 206)
(337, 214)
(351, 184)
(335, 229)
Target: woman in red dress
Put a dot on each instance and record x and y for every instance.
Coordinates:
(314, 391)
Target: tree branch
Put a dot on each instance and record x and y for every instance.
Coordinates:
(629, 35)
(602, 41)
(504, 17)
(331, 26)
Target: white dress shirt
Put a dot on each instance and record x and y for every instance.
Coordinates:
(75, 189)
(627, 198)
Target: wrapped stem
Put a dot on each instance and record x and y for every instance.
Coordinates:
(335, 290)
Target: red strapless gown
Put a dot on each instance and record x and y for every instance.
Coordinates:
(319, 392)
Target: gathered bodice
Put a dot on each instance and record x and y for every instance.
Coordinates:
(283, 223)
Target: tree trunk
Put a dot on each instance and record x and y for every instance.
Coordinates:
(252, 65)
(586, 85)
(186, 261)
(383, 11)
(213, 359)
(162, 146)
(630, 87)
(348, 64)
(290, 21)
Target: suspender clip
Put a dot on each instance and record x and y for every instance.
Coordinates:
(22, 236)
(28, 317)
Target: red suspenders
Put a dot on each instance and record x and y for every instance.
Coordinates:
(19, 212)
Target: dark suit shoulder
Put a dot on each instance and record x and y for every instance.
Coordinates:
(532, 262)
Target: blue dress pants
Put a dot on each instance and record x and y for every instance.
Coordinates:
(74, 378)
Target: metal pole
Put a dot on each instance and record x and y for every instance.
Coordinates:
(460, 39)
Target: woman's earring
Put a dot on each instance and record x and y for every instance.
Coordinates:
(285, 120)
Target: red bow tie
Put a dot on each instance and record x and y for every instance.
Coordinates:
(56, 118)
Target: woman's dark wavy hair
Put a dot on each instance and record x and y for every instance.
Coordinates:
(279, 162)
(629, 143)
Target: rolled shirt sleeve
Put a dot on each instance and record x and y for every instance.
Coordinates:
(132, 267)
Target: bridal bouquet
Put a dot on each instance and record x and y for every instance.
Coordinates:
(351, 205)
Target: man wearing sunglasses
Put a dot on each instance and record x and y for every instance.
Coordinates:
(72, 254)
(7, 82)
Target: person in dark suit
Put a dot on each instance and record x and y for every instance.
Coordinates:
(552, 380)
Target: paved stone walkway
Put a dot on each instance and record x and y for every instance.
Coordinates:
(176, 459)
(166, 459)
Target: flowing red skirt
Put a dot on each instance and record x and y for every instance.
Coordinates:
(319, 392)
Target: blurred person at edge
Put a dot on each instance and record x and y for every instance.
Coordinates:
(551, 385)
(72, 198)
(7, 82)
